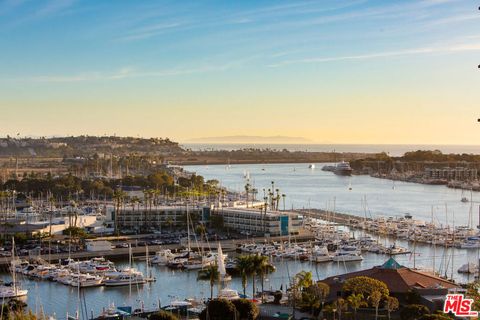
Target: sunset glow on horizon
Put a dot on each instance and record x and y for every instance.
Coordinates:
(386, 72)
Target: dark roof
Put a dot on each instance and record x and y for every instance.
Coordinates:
(399, 279)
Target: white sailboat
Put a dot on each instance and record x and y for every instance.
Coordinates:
(224, 277)
(12, 291)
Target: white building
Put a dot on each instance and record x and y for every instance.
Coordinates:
(257, 222)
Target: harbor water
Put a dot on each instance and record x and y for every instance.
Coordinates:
(360, 195)
(304, 188)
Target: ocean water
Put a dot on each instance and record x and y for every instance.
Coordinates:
(307, 188)
(392, 149)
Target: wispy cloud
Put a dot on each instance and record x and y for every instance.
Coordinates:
(124, 73)
(387, 54)
(47, 9)
(150, 31)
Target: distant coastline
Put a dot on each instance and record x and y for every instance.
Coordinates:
(395, 150)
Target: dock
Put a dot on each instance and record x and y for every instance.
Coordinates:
(139, 252)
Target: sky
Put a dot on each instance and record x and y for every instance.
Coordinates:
(352, 71)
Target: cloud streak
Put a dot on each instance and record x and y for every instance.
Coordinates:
(123, 73)
(379, 55)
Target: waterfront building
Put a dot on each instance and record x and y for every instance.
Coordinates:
(259, 222)
(401, 282)
(246, 220)
(447, 173)
(154, 218)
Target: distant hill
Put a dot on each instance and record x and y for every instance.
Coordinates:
(249, 139)
(85, 146)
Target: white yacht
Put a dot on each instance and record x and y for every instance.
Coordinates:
(125, 278)
(163, 257)
(11, 291)
(343, 169)
(347, 253)
(320, 254)
(85, 280)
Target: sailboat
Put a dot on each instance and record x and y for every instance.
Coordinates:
(127, 277)
(224, 277)
(12, 290)
(148, 277)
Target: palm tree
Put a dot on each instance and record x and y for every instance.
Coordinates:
(392, 305)
(210, 273)
(375, 298)
(263, 267)
(247, 191)
(304, 279)
(118, 196)
(355, 301)
(244, 267)
(51, 199)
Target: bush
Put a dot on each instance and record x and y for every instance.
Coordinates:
(162, 315)
(277, 296)
(413, 312)
(219, 309)
(75, 232)
(246, 309)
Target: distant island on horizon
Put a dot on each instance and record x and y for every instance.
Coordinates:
(250, 139)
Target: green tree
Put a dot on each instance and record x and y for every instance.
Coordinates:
(162, 315)
(304, 279)
(365, 286)
(356, 301)
(219, 309)
(118, 197)
(211, 274)
(246, 309)
(260, 266)
(244, 267)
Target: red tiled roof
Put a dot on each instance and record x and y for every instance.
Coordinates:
(399, 280)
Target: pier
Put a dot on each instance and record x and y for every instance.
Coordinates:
(139, 251)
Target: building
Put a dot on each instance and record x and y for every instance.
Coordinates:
(146, 218)
(401, 281)
(447, 173)
(257, 222)
(249, 221)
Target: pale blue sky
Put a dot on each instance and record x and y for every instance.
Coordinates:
(339, 71)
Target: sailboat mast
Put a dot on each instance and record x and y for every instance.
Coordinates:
(188, 230)
(13, 268)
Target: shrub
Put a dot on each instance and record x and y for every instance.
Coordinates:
(277, 296)
(246, 309)
(413, 312)
(219, 309)
(163, 315)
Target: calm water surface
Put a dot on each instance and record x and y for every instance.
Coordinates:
(307, 188)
